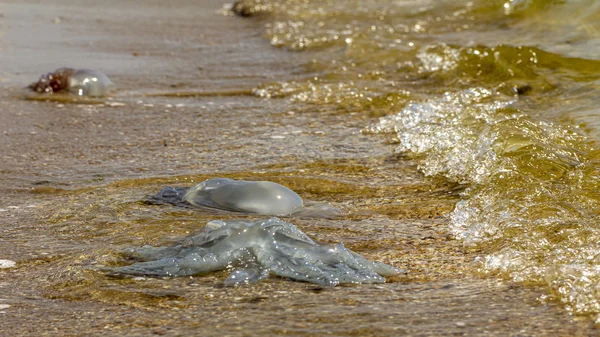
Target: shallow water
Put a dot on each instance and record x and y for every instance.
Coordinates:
(498, 96)
(486, 114)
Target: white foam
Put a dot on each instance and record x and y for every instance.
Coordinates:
(7, 264)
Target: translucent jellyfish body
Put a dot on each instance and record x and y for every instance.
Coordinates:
(82, 82)
(260, 197)
(254, 250)
(88, 82)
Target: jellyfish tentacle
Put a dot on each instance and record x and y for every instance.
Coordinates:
(294, 268)
(248, 275)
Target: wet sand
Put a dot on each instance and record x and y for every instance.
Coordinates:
(74, 175)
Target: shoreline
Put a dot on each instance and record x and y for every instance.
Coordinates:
(76, 174)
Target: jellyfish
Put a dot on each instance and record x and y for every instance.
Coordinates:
(253, 251)
(252, 197)
(88, 82)
(258, 197)
(81, 82)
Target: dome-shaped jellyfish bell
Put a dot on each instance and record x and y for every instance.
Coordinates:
(260, 197)
(88, 82)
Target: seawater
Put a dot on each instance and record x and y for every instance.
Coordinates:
(500, 96)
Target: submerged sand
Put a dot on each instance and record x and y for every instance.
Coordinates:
(74, 175)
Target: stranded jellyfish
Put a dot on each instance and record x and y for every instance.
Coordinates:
(257, 197)
(260, 197)
(81, 82)
(253, 251)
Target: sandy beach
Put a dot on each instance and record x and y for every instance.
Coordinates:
(74, 175)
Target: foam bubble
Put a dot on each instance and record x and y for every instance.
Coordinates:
(7, 264)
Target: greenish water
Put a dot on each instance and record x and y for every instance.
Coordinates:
(500, 96)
